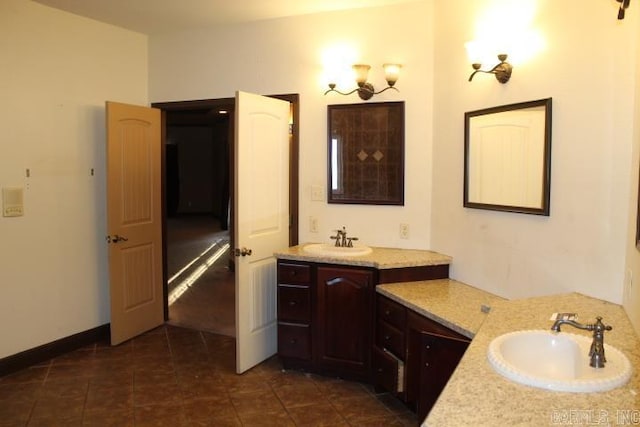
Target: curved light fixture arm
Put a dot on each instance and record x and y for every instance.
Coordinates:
(332, 88)
(502, 70)
(365, 92)
(365, 89)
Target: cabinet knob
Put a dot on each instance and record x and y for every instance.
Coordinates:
(292, 303)
(293, 341)
(426, 364)
(380, 370)
(387, 312)
(387, 337)
(428, 346)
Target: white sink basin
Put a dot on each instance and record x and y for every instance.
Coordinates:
(326, 249)
(556, 361)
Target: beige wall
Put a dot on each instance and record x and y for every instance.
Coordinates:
(53, 276)
(631, 298)
(286, 56)
(57, 70)
(587, 68)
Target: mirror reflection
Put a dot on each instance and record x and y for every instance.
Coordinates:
(366, 153)
(508, 158)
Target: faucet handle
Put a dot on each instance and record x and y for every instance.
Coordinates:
(599, 326)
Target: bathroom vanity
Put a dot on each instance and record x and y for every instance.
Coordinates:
(477, 395)
(415, 327)
(326, 305)
(423, 330)
(413, 356)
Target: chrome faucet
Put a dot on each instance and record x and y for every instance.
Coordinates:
(596, 352)
(342, 240)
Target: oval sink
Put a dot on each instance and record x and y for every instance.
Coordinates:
(556, 361)
(326, 249)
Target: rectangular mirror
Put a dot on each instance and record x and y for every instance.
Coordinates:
(507, 158)
(366, 153)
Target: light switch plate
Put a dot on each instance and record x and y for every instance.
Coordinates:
(317, 193)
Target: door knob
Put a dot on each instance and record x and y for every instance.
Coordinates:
(243, 252)
(116, 238)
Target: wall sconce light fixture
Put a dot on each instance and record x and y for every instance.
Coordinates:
(502, 71)
(624, 4)
(365, 89)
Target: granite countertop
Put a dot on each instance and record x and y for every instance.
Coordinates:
(451, 303)
(380, 258)
(476, 395)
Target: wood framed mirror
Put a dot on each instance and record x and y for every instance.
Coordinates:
(366, 153)
(507, 158)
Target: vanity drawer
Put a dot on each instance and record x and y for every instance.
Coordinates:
(390, 338)
(294, 341)
(391, 312)
(294, 303)
(386, 370)
(294, 274)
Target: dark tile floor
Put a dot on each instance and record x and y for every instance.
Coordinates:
(173, 376)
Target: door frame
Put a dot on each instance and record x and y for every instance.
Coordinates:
(294, 140)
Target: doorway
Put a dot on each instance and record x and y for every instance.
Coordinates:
(197, 173)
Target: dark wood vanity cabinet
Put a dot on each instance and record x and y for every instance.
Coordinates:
(413, 355)
(325, 317)
(327, 324)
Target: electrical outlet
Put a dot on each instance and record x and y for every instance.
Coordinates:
(313, 224)
(404, 231)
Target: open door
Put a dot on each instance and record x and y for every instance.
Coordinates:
(134, 219)
(261, 188)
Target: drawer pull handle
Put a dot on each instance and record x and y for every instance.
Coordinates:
(292, 303)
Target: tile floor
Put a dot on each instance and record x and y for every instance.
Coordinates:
(173, 376)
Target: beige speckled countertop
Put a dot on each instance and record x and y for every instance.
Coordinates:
(448, 302)
(478, 396)
(380, 258)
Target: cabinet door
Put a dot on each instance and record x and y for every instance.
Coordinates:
(439, 357)
(345, 321)
(433, 352)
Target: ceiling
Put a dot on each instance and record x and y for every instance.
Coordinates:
(165, 16)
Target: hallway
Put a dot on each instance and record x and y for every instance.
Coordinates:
(201, 287)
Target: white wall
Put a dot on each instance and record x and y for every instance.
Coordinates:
(631, 297)
(588, 70)
(285, 56)
(56, 71)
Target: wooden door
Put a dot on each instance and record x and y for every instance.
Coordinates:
(134, 218)
(344, 321)
(261, 218)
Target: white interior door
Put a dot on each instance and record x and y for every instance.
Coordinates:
(134, 219)
(261, 221)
